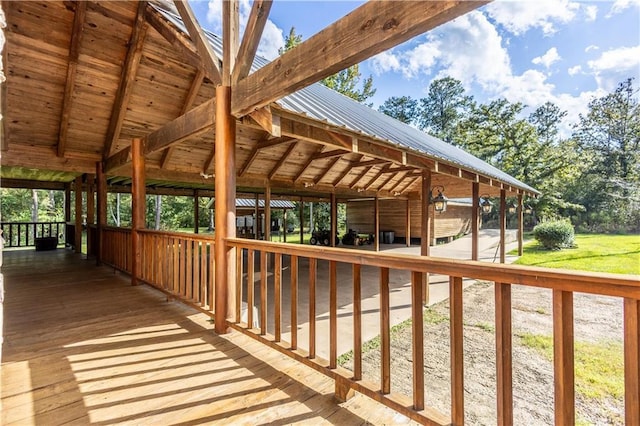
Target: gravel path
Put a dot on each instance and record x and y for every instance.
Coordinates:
(597, 319)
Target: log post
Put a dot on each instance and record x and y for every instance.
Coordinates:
(91, 211)
(196, 211)
(67, 212)
(78, 213)
(101, 220)
(425, 229)
(408, 223)
(267, 213)
(301, 216)
(138, 205)
(284, 225)
(503, 224)
(520, 225)
(334, 219)
(225, 189)
(256, 214)
(376, 223)
(475, 207)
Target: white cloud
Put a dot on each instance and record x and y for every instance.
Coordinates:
(385, 62)
(272, 36)
(520, 16)
(590, 48)
(574, 70)
(548, 58)
(591, 12)
(615, 65)
(621, 5)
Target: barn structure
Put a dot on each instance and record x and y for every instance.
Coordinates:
(135, 93)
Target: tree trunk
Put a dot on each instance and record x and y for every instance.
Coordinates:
(158, 210)
(118, 209)
(34, 211)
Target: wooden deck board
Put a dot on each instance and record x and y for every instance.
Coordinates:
(82, 346)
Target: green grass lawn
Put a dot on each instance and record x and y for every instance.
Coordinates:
(618, 254)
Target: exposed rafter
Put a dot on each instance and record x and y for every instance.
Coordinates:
(383, 170)
(207, 55)
(267, 120)
(385, 182)
(209, 161)
(230, 35)
(188, 102)
(327, 169)
(331, 154)
(346, 171)
(282, 160)
(252, 156)
(127, 79)
(399, 181)
(251, 38)
(74, 52)
(370, 29)
(307, 164)
(362, 174)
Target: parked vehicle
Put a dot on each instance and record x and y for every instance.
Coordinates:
(322, 237)
(352, 238)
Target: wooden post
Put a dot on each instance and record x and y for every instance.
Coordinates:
(425, 229)
(267, 213)
(417, 336)
(520, 225)
(408, 224)
(78, 212)
(196, 211)
(376, 223)
(503, 224)
(284, 225)
(138, 205)
(225, 189)
(475, 207)
(563, 367)
(91, 211)
(256, 223)
(632, 361)
(504, 370)
(301, 221)
(101, 220)
(334, 219)
(457, 353)
(67, 212)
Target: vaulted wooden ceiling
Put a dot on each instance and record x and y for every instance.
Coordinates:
(84, 78)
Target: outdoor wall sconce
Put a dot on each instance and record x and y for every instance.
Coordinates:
(528, 209)
(308, 184)
(485, 204)
(511, 208)
(439, 201)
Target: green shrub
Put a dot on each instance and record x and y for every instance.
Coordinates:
(554, 235)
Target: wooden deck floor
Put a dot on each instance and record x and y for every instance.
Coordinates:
(82, 346)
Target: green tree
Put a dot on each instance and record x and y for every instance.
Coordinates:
(444, 107)
(290, 41)
(403, 108)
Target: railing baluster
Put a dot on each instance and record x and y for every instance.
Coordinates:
(312, 307)
(239, 276)
(385, 332)
(294, 301)
(203, 274)
(263, 292)
(189, 270)
(196, 272)
(333, 314)
(632, 361)
(210, 279)
(504, 367)
(357, 322)
(417, 333)
(457, 354)
(563, 357)
(250, 287)
(176, 266)
(277, 295)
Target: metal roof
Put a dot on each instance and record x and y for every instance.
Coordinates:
(321, 103)
(250, 203)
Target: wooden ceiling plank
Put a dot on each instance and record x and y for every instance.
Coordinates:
(189, 100)
(269, 143)
(346, 171)
(253, 155)
(398, 182)
(377, 176)
(326, 170)
(360, 176)
(331, 154)
(370, 29)
(74, 52)
(127, 78)
(282, 160)
(207, 55)
(307, 164)
(251, 39)
(230, 35)
(209, 161)
(410, 184)
(31, 184)
(117, 160)
(385, 182)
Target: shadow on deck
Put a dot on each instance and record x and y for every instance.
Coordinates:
(83, 346)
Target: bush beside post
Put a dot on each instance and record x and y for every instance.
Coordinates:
(555, 235)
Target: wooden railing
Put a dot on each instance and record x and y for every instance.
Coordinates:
(179, 264)
(116, 248)
(23, 234)
(563, 284)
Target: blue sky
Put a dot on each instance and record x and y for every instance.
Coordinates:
(562, 51)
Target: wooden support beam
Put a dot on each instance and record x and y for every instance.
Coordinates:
(138, 206)
(520, 225)
(632, 361)
(269, 142)
(127, 79)
(267, 213)
(225, 208)
(301, 216)
(407, 224)
(4, 128)
(267, 121)
(252, 157)
(326, 170)
(198, 79)
(504, 358)
(330, 154)
(77, 189)
(282, 160)
(196, 212)
(425, 228)
(207, 55)
(475, 209)
(345, 172)
(91, 210)
(251, 39)
(385, 182)
(369, 163)
(370, 29)
(32, 184)
(409, 184)
(417, 340)
(362, 174)
(503, 225)
(209, 161)
(306, 165)
(457, 353)
(398, 183)
(376, 223)
(563, 357)
(333, 218)
(74, 51)
(67, 202)
(375, 178)
(101, 219)
(230, 35)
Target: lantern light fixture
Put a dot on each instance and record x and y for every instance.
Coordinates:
(439, 201)
(485, 204)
